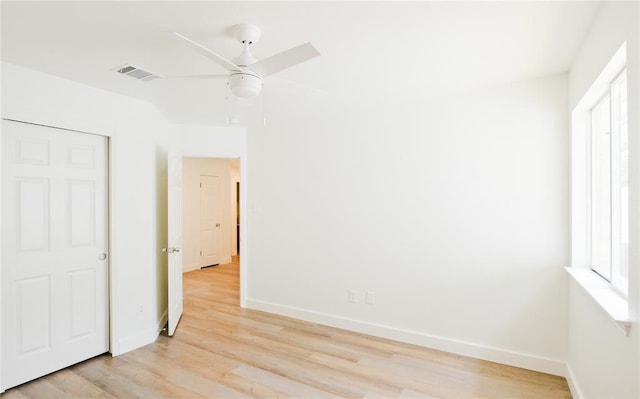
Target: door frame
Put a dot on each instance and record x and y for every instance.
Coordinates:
(78, 126)
(198, 145)
(243, 216)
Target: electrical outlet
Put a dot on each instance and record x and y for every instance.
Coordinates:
(353, 296)
(370, 298)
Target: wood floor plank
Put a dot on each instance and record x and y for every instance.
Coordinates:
(100, 372)
(42, 388)
(74, 385)
(291, 387)
(223, 351)
(14, 394)
(185, 375)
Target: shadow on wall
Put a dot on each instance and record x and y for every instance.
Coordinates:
(161, 229)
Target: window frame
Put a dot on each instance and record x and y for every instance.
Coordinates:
(612, 275)
(610, 299)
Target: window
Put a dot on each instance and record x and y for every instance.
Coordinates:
(609, 188)
(600, 178)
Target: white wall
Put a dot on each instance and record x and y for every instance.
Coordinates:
(132, 124)
(452, 210)
(192, 169)
(602, 361)
(209, 141)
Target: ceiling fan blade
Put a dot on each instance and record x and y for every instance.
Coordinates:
(209, 53)
(284, 60)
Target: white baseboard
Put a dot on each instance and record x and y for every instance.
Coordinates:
(576, 393)
(136, 341)
(140, 339)
(196, 266)
(511, 358)
(191, 267)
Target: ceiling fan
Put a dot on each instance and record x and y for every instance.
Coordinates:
(245, 72)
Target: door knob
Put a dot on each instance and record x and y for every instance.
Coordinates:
(102, 256)
(170, 250)
(217, 224)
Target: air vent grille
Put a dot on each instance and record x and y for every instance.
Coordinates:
(136, 72)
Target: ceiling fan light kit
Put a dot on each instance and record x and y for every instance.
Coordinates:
(245, 73)
(245, 85)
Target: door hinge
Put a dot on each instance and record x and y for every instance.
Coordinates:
(200, 185)
(200, 253)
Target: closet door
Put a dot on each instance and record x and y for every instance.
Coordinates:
(54, 250)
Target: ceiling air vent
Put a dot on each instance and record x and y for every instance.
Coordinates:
(136, 72)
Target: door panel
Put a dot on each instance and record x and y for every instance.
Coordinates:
(54, 228)
(34, 318)
(82, 286)
(209, 220)
(81, 207)
(33, 211)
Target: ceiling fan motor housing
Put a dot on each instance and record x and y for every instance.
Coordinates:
(245, 85)
(247, 33)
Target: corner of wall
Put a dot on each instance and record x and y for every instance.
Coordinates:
(138, 340)
(576, 393)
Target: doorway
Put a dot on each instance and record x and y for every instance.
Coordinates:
(209, 216)
(200, 142)
(55, 270)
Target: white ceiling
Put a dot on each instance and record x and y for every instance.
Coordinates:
(372, 53)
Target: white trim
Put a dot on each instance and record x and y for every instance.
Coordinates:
(576, 392)
(113, 269)
(135, 341)
(238, 152)
(601, 85)
(511, 358)
(244, 259)
(580, 158)
(196, 266)
(59, 120)
(190, 267)
(604, 294)
(225, 260)
(1, 385)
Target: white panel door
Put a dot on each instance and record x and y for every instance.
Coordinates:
(54, 246)
(174, 241)
(209, 220)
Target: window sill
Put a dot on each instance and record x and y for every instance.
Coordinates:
(616, 306)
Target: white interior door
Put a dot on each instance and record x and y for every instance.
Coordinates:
(209, 220)
(174, 243)
(54, 250)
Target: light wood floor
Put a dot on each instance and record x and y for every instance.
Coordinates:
(222, 351)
